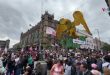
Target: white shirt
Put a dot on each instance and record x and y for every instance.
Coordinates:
(106, 64)
(35, 64)
(61, 57)
(17, 60)
(67, 70)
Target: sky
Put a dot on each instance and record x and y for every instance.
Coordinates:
(16, 15)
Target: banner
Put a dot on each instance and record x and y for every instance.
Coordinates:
(78, 41)
(51, 31)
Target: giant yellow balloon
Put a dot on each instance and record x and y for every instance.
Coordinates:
(67, 27)
(61, 27)
(79, 19)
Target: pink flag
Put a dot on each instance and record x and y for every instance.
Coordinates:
(51, 31)
(103, 9)
(106, 9)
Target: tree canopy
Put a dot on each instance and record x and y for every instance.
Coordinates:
(106, 46)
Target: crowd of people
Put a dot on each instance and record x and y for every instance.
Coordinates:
(82, 63)
(60, 62)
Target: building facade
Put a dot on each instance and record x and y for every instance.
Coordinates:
(4, 44)
(91, 42)
(36, 36)
(98, 44)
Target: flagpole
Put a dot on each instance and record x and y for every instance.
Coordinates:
(40, 31)
(98, 38)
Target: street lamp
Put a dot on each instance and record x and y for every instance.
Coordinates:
(99, 39)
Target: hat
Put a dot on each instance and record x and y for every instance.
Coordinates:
(65, 58)
(108, 53)
(94, 66)
(95, 72)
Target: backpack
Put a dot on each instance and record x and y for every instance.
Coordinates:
(106, 70)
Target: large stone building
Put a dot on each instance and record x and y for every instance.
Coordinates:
(98, 43)
(4, 44)
(37, 34)
(90, 42)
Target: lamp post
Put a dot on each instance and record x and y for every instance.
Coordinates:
(39, 44)
(99, 39)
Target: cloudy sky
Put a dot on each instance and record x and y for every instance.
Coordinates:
(16, 15)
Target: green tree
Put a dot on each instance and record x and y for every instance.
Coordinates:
(106, 46)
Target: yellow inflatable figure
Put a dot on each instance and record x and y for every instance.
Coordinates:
(67, 27)
(61, 27)
(79, 19)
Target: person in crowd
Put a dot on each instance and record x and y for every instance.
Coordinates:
(57, 69)
(68, 68)
(73, 69)
(93, 59)
(25, 61)
(38, 69)
(90, 60)
(30, 61)
(77, 68)
(2, 69)
(4, 60)
(28, 71)
(106, 65)
(84, 69)
(78, 59)
(49, 63)
(10, 65)
(99, 63)
(94, 70)
(83, 59)
(18, 65)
